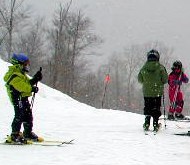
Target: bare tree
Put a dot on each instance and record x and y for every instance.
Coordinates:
(124, 91)
(10, 18)
(57, 43)
(32, 43)
(132, 58)
(70, 38)
(123, 70)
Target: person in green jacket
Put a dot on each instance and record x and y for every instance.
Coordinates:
(19, 88)
(152, 76)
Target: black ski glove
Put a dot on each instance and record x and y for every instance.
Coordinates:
(35, 89)
(37, 77)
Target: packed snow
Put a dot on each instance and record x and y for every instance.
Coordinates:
(102, 136)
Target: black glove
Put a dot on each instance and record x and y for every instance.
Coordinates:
(37, 77)
(35, 89)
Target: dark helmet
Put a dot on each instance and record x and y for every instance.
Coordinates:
(153, 55)
(21, 59)
(177, 65)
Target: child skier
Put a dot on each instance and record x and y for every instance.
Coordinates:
(175, 80)
(19, 88)
(152, 76)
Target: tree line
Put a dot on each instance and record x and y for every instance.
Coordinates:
(64, 48)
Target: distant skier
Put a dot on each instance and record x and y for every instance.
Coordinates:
(152, 76)
(19, 88)
(176, 78)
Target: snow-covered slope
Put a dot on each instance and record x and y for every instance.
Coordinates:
(102, 137)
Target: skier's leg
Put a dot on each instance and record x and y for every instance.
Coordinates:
(147, 122)
(28, 121)
(147, 110)
(17, 121)
(179, 105)
(156, 112)
(172, 106)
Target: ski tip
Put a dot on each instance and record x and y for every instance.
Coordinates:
(183, 133)
(68, 142)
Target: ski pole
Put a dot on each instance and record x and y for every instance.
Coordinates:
(173, 104)
(33, 97)
(163, 98)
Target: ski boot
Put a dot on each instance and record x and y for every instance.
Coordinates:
(32, 137)
(179, 116)
(17, 138)
(156, 126)
(171, 116)
(146, 123)
(146, 127)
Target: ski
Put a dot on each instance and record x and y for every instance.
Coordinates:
(53, 143)
(149, 132)
(146, 132)
(16, 143)
(59, 141)
(185, 119)
(42, 143)
(183, 134)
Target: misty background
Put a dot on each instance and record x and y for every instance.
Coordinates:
(122, 23)
(80, 42)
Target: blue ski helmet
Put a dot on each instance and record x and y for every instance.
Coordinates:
(153, 55)
(20, 58)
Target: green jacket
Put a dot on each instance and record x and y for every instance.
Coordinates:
(153, 76)
(19, 80)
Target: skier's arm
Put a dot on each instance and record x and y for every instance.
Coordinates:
(140, 77)
(184, 78)
(164, 74)
(21, 85)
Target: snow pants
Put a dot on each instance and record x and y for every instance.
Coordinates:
(23, 115)
(152, 109)
(176, 101)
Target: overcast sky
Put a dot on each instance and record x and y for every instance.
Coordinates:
(122, 23)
